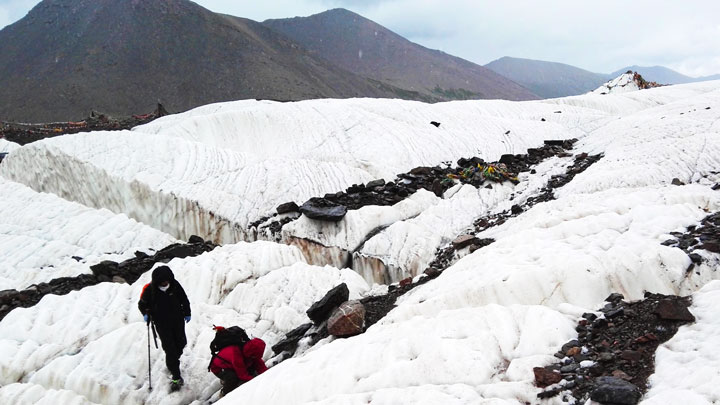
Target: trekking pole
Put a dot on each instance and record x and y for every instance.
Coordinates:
(149, 364)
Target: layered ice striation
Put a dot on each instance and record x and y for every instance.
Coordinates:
(43, 237)
(472, 335)
(93, 341)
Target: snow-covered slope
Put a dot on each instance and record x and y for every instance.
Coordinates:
(180, 187)
(7, 146)
(621, 84)
(41, 233)
(93, 342)
(470, 336)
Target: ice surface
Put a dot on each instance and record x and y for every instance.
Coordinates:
(7, 146)
(40, 233)
(472, 335)
(180, 187)
(93, 341)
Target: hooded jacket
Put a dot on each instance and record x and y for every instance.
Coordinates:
(246, 362)
(164, 307)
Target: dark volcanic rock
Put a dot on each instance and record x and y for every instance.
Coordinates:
(375, 183)
(612, 390)
(291, 339)
(319, 311)
(323, 209)
(622, 347)
(195, 239)
(287, 208)
(175, 250)
(105, 268)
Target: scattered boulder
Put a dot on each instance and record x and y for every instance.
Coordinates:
(375, 183)
(347, 320)
(287, 208)
(674, 310)
(195, 239)
(290, 342)
(319, 311)
(105, 268)
(621, 347)
(465, 240)
(437, 124)
(613, 390)
(323, 209)
(545, 377)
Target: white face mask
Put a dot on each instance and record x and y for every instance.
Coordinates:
(163, 289)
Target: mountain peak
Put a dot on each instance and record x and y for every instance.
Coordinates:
(365, 47)
(68, 57)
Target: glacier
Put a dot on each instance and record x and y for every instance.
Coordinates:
(44, 237)
(472, 335)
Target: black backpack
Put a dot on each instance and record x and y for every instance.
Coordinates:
(224, 337)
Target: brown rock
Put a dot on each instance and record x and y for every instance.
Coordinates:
(630, 355)
(347, 320)
(573, 351)
(674, 310)
(711, 247)
(648, 337)
(464, 240)
(545, 377)
(621, 374)
(405, 281)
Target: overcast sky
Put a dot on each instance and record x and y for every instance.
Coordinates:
(601, 36)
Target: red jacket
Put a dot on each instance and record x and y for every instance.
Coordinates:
(246, 362)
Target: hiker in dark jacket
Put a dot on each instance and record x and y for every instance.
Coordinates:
(235, 365)
(165, 303)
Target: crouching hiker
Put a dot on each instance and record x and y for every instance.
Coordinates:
(236, 358)
(164, 303)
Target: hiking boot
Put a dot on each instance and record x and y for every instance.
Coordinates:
(175, 384)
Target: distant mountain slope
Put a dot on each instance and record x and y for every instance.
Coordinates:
(547, 79)
(364, 47)
(67, 57)
(659, 74)
(665, 75)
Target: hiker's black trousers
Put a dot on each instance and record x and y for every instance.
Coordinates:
(172, 336)
(229, 379)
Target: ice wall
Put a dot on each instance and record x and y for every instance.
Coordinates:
(43, 237)
(182, 188)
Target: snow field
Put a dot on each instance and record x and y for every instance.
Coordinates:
(408, 246)
(381, 137)
(182, 188)
(556, 251)
(7, 146)
(93, 341)
(470, 336)
(469, 353)
(40, 233)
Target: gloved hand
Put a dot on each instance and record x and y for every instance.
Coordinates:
(146, 318)
(187, 319)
